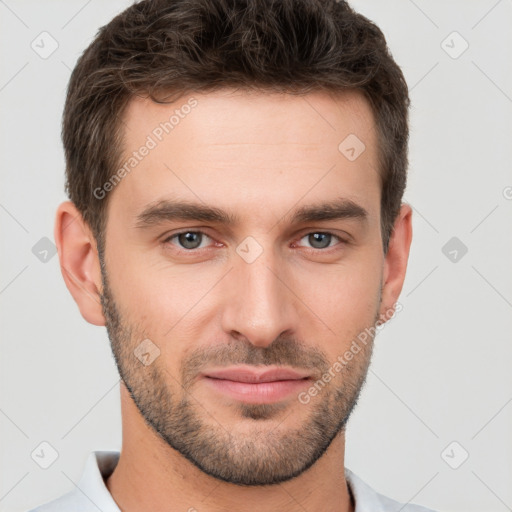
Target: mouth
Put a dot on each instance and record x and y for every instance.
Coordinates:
(257, 386)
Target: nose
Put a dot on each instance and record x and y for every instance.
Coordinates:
(260, 305)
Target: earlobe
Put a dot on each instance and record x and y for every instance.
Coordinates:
(395, 263)
(79, 262)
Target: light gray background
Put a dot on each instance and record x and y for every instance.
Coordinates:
(442, 368)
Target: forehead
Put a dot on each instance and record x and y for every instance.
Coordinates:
(242, 113)
(236, 147)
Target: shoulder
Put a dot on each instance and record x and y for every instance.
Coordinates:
(366, 498)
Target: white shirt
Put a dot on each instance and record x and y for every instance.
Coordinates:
(91, 493)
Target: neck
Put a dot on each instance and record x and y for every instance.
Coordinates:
(151, 475)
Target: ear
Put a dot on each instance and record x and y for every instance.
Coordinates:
(395, 262)
(79, 261)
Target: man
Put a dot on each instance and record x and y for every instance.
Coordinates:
(236, 172)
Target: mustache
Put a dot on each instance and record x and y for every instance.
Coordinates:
(281, 352)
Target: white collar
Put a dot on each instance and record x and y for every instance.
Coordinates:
(91, 493)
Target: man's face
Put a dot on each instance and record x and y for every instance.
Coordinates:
(265, 289)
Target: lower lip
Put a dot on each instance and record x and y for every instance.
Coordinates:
(261, 393)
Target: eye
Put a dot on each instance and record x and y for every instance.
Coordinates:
(192, 240)
(188, 240)
(322, 240)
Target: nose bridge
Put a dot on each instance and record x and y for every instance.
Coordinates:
(259, 307)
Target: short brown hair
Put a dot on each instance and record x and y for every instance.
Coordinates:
(159, 48)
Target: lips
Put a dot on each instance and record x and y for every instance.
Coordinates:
(251, 375)
(257, 386)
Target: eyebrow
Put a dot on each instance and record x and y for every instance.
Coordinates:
(171, 210)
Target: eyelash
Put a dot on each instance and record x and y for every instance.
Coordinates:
(341, 241)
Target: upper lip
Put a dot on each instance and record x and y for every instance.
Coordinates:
(248, 374)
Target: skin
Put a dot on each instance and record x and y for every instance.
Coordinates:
(260, 156)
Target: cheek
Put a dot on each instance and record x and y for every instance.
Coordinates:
(147, 288)
(344, 297)
(160, 302)
(170, 303)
